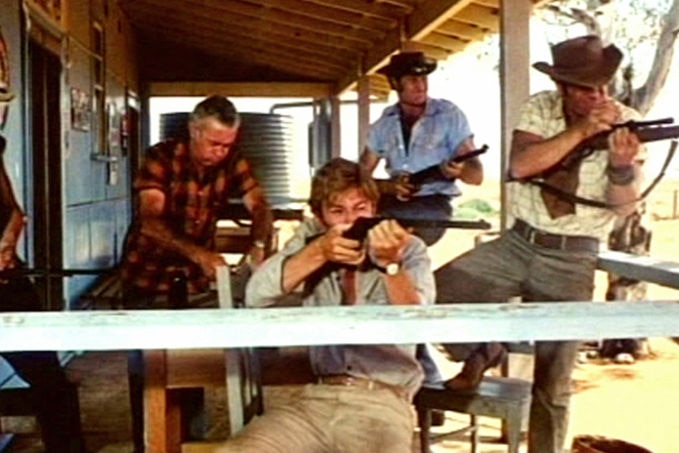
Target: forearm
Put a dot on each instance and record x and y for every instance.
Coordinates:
(532, 154)
(161, 234)
(400, 289)
(472, 172)
(301, 265)
(12, 233)
(624, 188)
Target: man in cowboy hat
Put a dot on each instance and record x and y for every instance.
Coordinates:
(550, 253)
(415, 133)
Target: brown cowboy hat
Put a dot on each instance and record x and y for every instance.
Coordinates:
(408, 63)
(582, 61)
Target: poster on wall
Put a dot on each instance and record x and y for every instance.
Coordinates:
(81, 113)
(5, 93)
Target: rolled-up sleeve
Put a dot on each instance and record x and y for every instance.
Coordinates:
(418, 264)
(266, 283)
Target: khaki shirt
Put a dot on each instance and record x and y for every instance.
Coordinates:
(391, 364)
(543, 115)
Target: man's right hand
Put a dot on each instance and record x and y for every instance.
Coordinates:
(338, 249)
(404, 188)
(208, 262)
(599, 119)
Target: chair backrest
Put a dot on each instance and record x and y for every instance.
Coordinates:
(243, 382)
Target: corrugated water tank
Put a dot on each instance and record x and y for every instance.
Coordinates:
(267, 142)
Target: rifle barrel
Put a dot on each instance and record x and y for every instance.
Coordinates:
(645, 134)
(460, 224)
(19, 272)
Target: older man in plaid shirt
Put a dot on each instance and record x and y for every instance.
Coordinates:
(182, 187)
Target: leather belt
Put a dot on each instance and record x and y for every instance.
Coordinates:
(555, 241)
(369, 384)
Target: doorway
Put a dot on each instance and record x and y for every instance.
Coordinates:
(45, 132)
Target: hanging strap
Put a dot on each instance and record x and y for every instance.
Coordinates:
(572, 198)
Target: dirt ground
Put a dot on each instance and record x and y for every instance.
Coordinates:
(635, 403)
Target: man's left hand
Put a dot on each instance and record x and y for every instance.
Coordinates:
(624, 147)
(386, 242)
(452, 170)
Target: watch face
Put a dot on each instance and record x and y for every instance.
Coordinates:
(392, 268)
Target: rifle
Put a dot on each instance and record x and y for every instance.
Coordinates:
(647, 131)
(359, 230)
(432, 173)
(20, 272)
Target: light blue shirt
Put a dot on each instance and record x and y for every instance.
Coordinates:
(392, 364)
(434, 139)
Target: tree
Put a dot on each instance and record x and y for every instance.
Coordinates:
(631, 24)
(636, 26)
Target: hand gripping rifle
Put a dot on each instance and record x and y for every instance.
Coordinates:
(646, 131)
(359, 230)
(429, 174)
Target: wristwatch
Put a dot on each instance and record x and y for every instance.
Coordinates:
(392, 269)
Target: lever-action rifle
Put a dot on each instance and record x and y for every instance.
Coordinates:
(647, 131)
(359, 230)
(434, 172)
(430, 174)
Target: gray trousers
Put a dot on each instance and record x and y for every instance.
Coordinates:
(509, 267)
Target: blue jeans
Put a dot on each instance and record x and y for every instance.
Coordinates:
(429, 207)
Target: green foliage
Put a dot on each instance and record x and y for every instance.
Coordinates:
(475, 209)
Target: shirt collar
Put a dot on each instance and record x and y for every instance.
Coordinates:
(430, 109)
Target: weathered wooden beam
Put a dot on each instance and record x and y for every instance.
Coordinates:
(425, 17)
(480, 15)
(643, 268)
(462, 30)
(222, 328)
(263, 89)
(435, 52)
(447, 43)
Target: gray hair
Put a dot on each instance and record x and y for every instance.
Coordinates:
(218, 107)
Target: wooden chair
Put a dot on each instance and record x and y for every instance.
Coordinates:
(168, 372)
(499, 397)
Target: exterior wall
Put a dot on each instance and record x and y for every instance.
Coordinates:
(96, 184)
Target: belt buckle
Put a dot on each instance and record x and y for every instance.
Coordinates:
(531, 235)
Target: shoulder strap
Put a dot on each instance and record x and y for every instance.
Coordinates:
(602, 204)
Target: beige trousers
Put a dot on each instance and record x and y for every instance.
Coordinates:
(330, 419)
